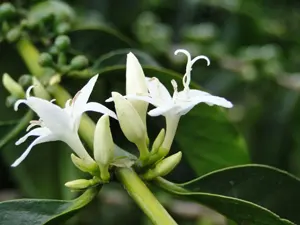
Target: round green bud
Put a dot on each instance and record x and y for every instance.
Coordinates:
(62, 42)
(25, 80)
(63, 28)
(14, 34)
(53, 50)
(45, 59)
(10, 101)
(7, 10)
(79, 62)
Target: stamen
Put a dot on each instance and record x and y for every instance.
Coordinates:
(53, 100)
(175, 87)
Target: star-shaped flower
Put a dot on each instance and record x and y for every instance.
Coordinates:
(57, 123)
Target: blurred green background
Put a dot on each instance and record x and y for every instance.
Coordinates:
(254, 50)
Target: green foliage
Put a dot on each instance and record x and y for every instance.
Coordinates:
(246, 194)
(43, 212)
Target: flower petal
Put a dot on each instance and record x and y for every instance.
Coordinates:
(39, 140)
(162, 110)
(157, 90)
(97, 107)
(54, 117)
(41, 131)
(85, 92)
(142, 98)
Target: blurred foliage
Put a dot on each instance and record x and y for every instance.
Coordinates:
(254, 50)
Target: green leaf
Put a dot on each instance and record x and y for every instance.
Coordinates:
(40, 212)
(214, 143)
(97, 41)
(249, 194)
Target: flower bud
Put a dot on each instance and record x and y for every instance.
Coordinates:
(25, 80)
(62, 42)
(131, 124)
(103, 146)
(39, 90)
(91, 168)
(63, 28)
(7, 10)
(45, 59)
(12, 86)
(136, 84)
(82, 184)
(13, 35)
(79, 62)
(163, 167)
(158, 141)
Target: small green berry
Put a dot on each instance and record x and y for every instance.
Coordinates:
(14, 34)
(62, 42)
(7, 10)
(45, 59)
(63, 28)
(79, 62)
(25, 80)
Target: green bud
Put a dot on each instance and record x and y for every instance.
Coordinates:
(25, 80)
(63, 28)
(163, 167)
(103, 146)
(79, 62)
(158, 141)
(91, 168)
(12, 86)
(7, 10)
(135, 131)
(45, 59)
(10, 101)
(39, 90)
(62, 42)
(53, 50)
(14, 34)
(82, 184)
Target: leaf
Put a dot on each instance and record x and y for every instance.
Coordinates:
(249, 194)
(97, 41)
(214, 143)
(40, 212)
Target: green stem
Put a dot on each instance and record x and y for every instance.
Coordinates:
(144, 197)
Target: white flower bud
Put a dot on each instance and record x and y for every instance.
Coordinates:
(136, 84)
(84, 166)
(103, 146)
(12, 86)
(131, 124)
(163, 167)
(79, 184)
(158, 141)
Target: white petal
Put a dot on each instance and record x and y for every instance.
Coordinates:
(162, 110)
(135, 78)
(214, 100)
(41, 131)
(142, 98)
(157, 90)
(97, 107)
(39, 140)
(85, 92)
(193, 93)
(54, 117)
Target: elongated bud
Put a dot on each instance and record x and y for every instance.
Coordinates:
(39, 89)
(163, 167)
(131, 124)
(12, 86)
(82, 184)
(103, 146)
(136, 84)
(158, 141)
(91, 168)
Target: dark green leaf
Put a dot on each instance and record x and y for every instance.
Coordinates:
(40, 212)
(249, 194)
(95, 42)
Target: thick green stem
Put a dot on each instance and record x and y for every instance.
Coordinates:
(144, 197)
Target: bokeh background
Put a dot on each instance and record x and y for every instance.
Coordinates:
(254, 50)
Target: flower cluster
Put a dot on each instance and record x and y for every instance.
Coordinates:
(62, 124)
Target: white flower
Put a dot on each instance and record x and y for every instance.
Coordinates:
(173, 107)
(57, 123)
